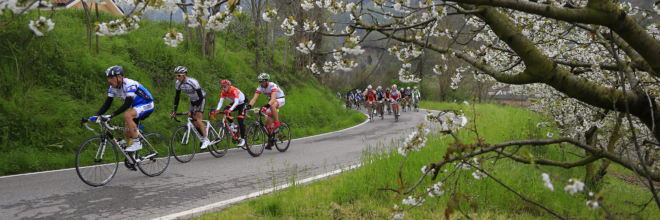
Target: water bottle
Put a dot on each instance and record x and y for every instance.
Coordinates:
(234, 128)
(122, 143)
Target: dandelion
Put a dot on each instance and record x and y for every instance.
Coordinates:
(547, 182)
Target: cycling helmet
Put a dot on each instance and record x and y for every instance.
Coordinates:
(408, 88)
(394, 86)
(387, 89)
(114, 71)
(225, 83)
(181, 69)
(369, 87)
(379, 88)
(264, 77)
(401, 89)
(415, 87)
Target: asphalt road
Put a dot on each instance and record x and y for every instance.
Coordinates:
(205, 180)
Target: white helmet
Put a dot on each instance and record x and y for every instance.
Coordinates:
(402, 89)
(358, 91)
(379, 88)
(394, 86)
(415, 87)
(408, 88)
(369, 87)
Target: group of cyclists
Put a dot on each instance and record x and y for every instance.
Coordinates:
(374, 100)
(140, 103)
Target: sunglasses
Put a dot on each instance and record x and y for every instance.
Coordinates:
(179, 75)
(225, 86)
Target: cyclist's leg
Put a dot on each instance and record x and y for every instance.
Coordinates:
(198, 117)
(131, 133)
(241, 119)
(273, 108)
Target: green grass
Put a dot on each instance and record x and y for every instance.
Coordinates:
(59, 80)
(354, 195)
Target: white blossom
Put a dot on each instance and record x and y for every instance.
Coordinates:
(547, 182)
(307, 5)
(40, 25)
(289, 26)
(575, 187)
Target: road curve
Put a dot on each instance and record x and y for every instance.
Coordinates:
(205, 180)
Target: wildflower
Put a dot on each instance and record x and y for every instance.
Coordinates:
(398, 215)
(547, 182)
(549, 135)
(478, 175)
(413, 201)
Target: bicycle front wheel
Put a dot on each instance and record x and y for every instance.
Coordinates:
(283, 137)
(155, 154)
(220, 134)
(184, 144)
(96, 163)
(255, 140)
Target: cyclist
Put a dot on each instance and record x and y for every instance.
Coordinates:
(380, 95)
(197, 97)
(276, 100)
(358, 97)
(416, 95)
(135, 97)
(408, 95)
(387, 98)
(370, 96)
(394, 96)
(236, 100)
(349, 98)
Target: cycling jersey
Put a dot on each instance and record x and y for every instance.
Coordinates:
(132, 88)
(234, 96)
(189, 87)
(387, 94)
(395, 95)
(370, 96)
(349, 96)
(358, 96)
(408, 93)
(380, 95)
(270, 89)
(416, 94)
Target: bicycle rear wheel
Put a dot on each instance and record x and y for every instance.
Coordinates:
(283, 136)
(255, 140)
(221, 134)
(183, 145)
(95, 163)
(155, 154)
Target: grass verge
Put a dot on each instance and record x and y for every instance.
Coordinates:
(354, 194)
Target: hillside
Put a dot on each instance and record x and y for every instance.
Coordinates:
(50, 82)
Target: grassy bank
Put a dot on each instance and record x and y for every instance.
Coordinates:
(50, 82)
(354, 195)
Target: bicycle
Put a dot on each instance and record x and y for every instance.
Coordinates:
(233, 134)
(395, 107)
(96, 168)
(416, 105)
(183, 151)
(348, 104)
(409, 103)
(370, 109)
(389, 109)
(403, 103)
(257, 131)
(380, 109)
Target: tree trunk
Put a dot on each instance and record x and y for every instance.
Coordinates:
(285, 50)
(265, 38)
(214, 47)
(97, 20)
(225, 55)
(257, 49)
(602, 170)
(89, 24)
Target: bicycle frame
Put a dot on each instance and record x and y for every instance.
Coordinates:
(190, 126)
(106, 134)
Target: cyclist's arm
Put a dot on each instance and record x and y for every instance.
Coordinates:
(200, 100)
(254, 98)
(127, 104)
(105, 106)
(176, 99)
(222, 100)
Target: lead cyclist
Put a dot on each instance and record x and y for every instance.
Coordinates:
(416, 95)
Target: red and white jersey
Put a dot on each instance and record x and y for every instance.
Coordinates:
(271, 88)
(395, 94)
(233, 94)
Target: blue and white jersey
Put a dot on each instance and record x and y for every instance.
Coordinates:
(133, 89)
(358, 96)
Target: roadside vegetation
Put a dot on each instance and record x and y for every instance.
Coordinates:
(355, 195)
(50, 82)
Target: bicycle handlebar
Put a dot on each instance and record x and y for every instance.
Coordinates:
(104, 123)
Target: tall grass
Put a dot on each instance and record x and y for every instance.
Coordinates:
(354, 194)
(59, 80)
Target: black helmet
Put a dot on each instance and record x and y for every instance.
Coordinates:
(114, 71)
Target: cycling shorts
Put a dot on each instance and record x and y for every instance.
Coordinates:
(280, 103)
(144, 109)
(200, 108)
